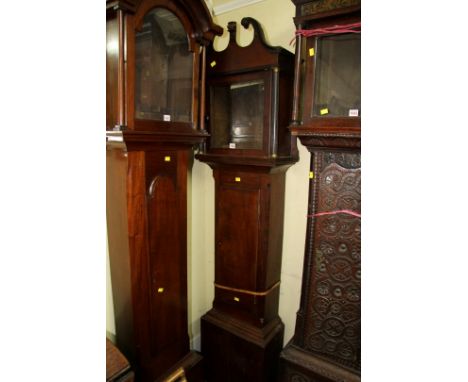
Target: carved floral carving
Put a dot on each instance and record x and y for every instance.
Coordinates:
(333, 324)
(326, 5)
(346, 160)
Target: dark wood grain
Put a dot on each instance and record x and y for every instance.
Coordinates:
(167, 231)
(332, 125)
(151, 312)
(250, 353)
(298, 65)
(119, 247)
(235, 265)
(315, 139)
(257, 61)
(298, 366)
(248, 255)
(326, 346)
(198, 14)
(196, 20)
(147, 164)
(242, 335)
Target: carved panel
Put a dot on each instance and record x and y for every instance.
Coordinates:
(333, 322)
(326, 5)
(346, 160)
(294, 376)
(297, 363)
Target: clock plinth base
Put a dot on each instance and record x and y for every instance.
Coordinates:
(297, 364)
(235, 351)
(192, 365)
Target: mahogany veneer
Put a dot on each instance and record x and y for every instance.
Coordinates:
(147, 164)
(242, 334)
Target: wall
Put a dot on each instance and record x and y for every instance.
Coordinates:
(110, 320)
(276, 18)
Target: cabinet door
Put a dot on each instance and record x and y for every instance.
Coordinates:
(166, 250)
(238, 198)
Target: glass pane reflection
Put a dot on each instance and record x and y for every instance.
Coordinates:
(337, 89)
(237, 115)
(164, 64)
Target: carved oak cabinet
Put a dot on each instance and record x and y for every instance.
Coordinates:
(326, 117)
(249, 149)
(156, 53)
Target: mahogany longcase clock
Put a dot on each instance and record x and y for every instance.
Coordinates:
(156, 53)
(327, 119)
(249, 102)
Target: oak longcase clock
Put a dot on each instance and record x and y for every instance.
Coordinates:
(249, 98)
(327, 119)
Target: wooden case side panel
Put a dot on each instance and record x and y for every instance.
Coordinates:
(274, 231)
(287, 145)
(138, 237)
(119, 250)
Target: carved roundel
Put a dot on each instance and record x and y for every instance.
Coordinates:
(333, 327)
(295, 377)
(321, 305)
(316, 342)
(340, 269)
(345, 350)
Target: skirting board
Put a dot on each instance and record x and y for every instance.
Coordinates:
(111, 336)
(195, 343)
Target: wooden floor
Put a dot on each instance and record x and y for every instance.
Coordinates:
(117, 366)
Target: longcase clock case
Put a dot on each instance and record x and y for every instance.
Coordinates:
(326, 117)
(155, 88)
(249, 93)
